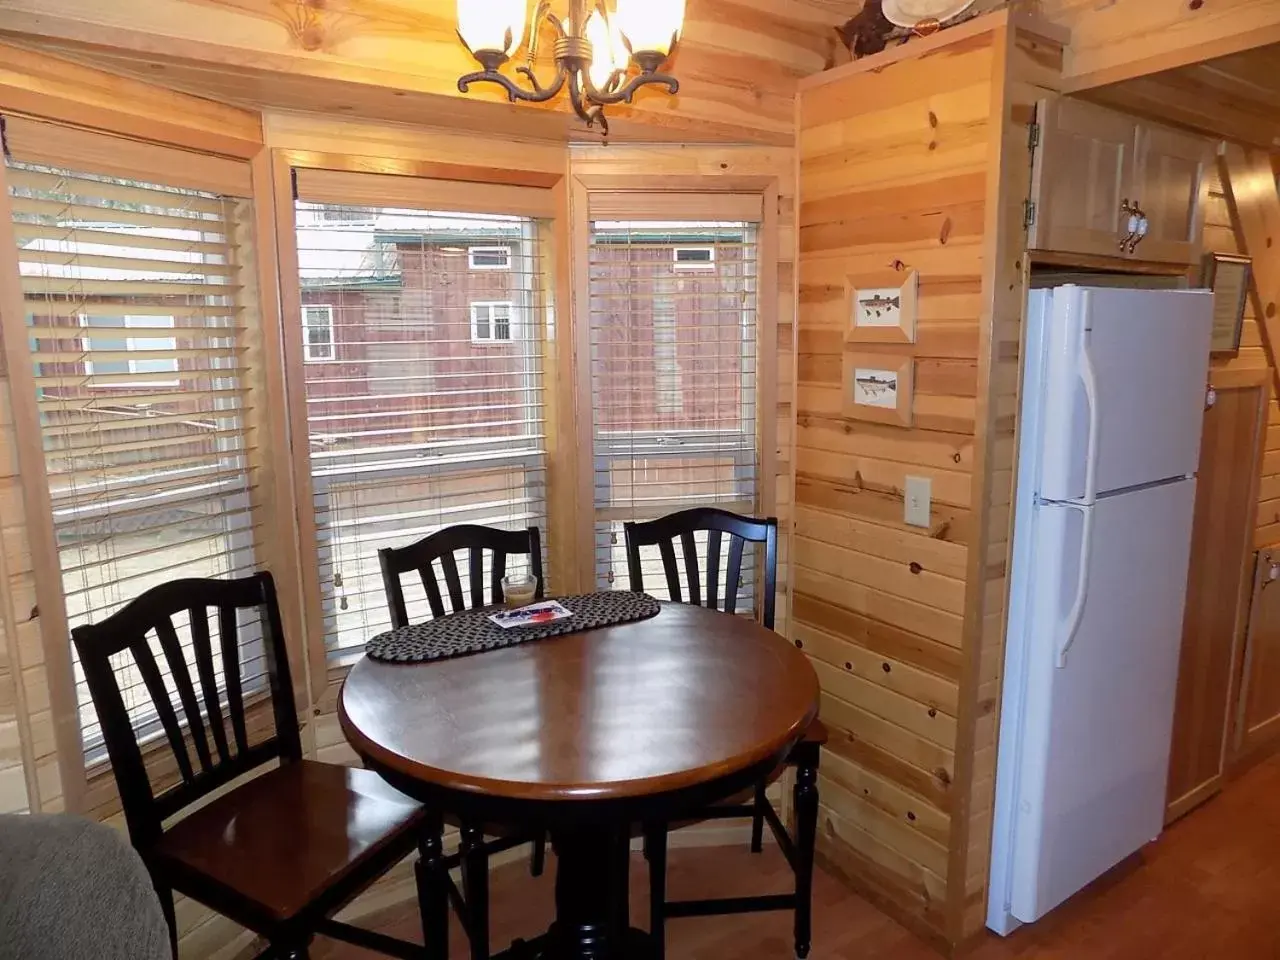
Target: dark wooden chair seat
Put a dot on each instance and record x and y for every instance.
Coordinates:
(440, 549)
(676, 537)
(294, 839)
(284, 850)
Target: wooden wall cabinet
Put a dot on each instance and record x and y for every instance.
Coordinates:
(1218, 585)
(1090, 162)
(1258, 721)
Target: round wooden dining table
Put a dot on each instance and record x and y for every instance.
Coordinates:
(585, 735)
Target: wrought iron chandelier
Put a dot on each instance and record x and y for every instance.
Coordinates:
(602, 58)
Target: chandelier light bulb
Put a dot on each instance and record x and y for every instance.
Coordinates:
(496, 25)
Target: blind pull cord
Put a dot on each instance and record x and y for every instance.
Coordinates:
(4, 138)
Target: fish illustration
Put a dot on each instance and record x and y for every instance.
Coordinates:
(874, 386)
(879, 304)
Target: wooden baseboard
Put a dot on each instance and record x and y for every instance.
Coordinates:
(1261, 743)
(887, 894)
(1192, 799)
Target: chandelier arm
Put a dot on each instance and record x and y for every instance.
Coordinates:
(575, 98)
(543, 93)
(514, 91)
(624, 94)
(597, 116)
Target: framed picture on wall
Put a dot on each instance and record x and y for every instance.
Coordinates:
(1228, 276)
(878, 387)
(881, 307)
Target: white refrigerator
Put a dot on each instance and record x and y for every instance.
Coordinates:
(1113, 400)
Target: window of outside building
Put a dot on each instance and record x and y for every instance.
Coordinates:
(491, 321)
(693, 258)
(489, 258)
(317, 328)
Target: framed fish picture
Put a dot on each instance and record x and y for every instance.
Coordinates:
(878, 387)
(881, 307)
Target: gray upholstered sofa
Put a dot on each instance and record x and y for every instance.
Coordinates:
(71, 889)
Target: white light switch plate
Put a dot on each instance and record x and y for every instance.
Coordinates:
(918, 500)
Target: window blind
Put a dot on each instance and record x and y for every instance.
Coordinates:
(431, 412)
(673, 380)
(138, 332)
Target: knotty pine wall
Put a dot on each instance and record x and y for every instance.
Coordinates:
(885, 161)
(917, 160)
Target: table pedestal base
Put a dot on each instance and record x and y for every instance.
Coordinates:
(636, 945)
(592, 902)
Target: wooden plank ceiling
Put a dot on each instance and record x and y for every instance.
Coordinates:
(1115, 40)
(399, 60)
(1236, 97)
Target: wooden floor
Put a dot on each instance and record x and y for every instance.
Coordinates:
(1209, 889)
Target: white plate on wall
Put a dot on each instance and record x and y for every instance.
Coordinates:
(908, 13)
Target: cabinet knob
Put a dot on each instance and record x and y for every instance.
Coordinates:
(1144, 227)
(1136, 223)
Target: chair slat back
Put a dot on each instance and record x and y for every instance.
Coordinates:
(440, 549)
(187, 717)
(717, 524)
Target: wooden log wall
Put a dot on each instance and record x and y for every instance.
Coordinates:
(915, 162)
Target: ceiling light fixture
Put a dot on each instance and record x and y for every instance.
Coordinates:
(595, 51)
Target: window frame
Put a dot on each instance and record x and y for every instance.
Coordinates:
(473, 265)
(341, 178)
(603, 195)
(126, 165)
(308, 346)
(329, 479)
(738, 451)
(492, 339)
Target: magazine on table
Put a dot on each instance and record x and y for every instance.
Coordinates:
(535, 614)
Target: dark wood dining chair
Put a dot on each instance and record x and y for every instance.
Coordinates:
(421, 558)
(282, 852)
(442, 548)
(681, 531)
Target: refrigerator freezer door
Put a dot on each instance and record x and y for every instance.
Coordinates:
(1094, 752)
(1124, 379)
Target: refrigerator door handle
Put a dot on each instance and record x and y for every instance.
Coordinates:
(1072, 624)
(1089, 378)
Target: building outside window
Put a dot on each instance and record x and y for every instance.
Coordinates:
(693, 258)
(489, 258)
(317, 326)
(491, 321)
